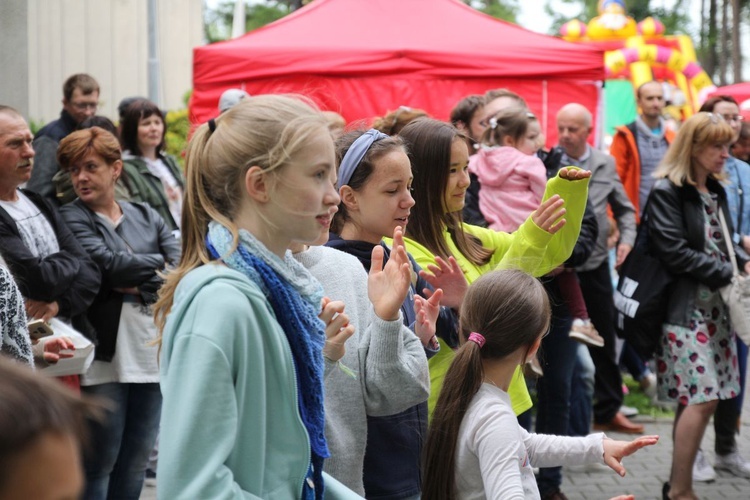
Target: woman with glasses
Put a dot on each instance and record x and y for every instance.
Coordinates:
(697, 359)
(152, 176)
(727, 415)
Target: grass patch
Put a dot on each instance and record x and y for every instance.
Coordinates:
(637, 399)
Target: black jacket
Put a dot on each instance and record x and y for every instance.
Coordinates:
(45, 162)
(69, 276)
(471, 213)
(128, 256)
(676, 235)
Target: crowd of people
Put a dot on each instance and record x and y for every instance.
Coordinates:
(306, 311)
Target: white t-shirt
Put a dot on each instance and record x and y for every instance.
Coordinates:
(171, 187)
(495, 455)
(35, 229)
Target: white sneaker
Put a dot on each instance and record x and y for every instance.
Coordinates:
(733, 463)
(628, 411)
(648, 385)
(702, 470)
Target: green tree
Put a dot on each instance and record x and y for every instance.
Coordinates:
(501, 9)
(217, 24)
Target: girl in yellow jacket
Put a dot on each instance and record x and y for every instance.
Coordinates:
(439, 159)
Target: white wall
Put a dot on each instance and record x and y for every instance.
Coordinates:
(107, 39)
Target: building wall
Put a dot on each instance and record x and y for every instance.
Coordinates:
(107, 39)
(13, 55)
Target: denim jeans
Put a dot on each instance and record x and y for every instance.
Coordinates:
(582, 393)
(558, 358)
(116, 463)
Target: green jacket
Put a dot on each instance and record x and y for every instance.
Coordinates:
(230, 423)
(147, 188)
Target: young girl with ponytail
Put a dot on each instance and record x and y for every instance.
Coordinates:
(242, 346)
(475, 448)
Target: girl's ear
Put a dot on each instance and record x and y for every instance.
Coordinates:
(534, 348)
(349, 198)
(508, 141)
(257, 184)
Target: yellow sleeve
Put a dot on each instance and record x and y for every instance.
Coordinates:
(532, 249)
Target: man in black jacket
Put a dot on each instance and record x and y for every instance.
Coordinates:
(53, 272)
(80, 101)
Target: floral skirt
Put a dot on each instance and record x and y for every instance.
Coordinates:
(698, 364)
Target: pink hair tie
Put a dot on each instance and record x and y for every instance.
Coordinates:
(477, 338)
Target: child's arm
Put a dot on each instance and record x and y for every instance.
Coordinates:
(615, 451)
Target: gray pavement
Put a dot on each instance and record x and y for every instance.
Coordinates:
(646, 470)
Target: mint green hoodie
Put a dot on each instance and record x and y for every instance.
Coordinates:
(230, 425)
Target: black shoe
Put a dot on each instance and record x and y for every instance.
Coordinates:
(665, 491)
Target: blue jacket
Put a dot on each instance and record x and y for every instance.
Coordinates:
(738, 195)
(230, 423)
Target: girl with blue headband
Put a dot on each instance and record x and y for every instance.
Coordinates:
(374, 184)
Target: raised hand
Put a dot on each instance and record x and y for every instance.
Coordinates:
(574, 174)
(615, 451)
(338, 329)
(387, 286)
(448, 276)
(427, 311)
(549, 215)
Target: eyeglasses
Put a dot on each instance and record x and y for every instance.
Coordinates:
(83, 106)
(733, 118)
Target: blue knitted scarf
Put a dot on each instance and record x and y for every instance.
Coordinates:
(295, 296)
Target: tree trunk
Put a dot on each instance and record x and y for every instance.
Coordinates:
(736, 42)
(710, 47)
(724, 42)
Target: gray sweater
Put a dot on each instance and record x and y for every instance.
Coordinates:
(391, 366)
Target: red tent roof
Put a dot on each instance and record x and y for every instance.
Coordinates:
(443, 38)
(373, 55)
(740, 91)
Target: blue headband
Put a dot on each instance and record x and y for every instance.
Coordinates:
(354, 155)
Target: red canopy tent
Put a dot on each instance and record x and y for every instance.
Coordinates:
(740, 91)
(362, 58)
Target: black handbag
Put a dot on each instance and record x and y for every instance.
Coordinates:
(640, 297)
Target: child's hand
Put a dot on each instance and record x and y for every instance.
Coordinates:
(338, 329)
(387, 286)
(427, 311)
(574, 174)
(54, 347)
(615, 451)
(449, 277)
(549, 214)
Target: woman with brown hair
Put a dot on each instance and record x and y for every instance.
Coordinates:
(131, 244)
(152, 176)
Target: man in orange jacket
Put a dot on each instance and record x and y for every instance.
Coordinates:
(639, 146)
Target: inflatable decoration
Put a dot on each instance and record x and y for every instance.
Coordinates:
(641, 52)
